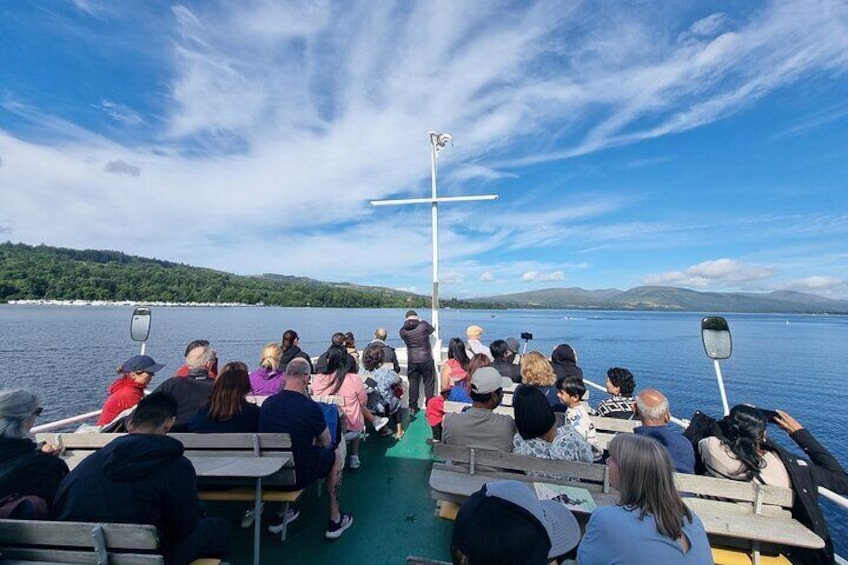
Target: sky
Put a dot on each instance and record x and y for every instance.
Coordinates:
(701, 144)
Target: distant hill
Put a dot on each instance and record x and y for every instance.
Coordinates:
(673, 299)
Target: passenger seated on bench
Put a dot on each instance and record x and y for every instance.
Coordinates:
(743, 452)
(537, 371)
(570, 391)
(184, 369)
(479, 426)
(504, 523)
(193, 390)
(128, 389)
(620, 385)
(650, 523)
(25, 469)
(228, 411)
(652, 409)
(383, 386)
(341, 379)
(144, 478)
(504, 359)
(454, 374)
(538, 434)
(316, 457)
(269, 377)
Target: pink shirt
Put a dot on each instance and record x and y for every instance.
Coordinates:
(353, 393)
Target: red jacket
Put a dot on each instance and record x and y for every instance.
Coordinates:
(124, 393)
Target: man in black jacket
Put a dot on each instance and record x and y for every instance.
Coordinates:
(144, 478)
(415, 333)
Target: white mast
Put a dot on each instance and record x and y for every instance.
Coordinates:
(438, 141)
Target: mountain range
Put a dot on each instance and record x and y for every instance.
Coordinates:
(43, 272)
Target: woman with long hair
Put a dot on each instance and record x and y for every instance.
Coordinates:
(650, 523)
(537, 371)
(384, 387)
(340, 379)
(453, 385)
(268, 378)
(228, 410)
(290, 345)
(743, 452)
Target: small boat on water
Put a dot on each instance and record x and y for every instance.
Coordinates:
(388, 527)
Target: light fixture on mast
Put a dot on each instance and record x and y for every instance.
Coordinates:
(438, 141)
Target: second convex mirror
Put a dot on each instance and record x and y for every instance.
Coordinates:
(715, 334)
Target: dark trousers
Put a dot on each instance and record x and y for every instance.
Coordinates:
(417, 372)
(209, 539)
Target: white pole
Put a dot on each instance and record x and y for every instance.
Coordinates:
(434, 207)
(721, 386)
(143, 347)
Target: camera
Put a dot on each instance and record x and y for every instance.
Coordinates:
(526, 336)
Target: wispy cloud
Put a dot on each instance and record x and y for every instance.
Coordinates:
(536, 276)
(719, 273)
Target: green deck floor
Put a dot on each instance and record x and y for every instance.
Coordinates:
(389, 498)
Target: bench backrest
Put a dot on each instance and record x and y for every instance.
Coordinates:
(595, 477)
(79, 542)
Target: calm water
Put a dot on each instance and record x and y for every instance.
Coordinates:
(796, 363)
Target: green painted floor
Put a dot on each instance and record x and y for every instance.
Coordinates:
(389, 498)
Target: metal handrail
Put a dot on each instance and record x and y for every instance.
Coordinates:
(65, 422)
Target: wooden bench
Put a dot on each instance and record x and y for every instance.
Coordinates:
(34, 542)
(751, 517)
(79, 445)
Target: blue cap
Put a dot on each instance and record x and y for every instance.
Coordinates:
(138, 363)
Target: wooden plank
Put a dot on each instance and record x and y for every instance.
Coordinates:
(411, 560)
(267, 441)
(27, 556)
(760, 528)
(456, 487)
(614, 424)
(524, 463)
(77, 534)
(237, 467)
(733, 490)
(697, 504)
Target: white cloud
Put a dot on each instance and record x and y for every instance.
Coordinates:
(717, 273)
(536, 276)
(486, 277)
(824, 285)
(120, 113)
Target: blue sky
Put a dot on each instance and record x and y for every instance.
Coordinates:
(701, 143)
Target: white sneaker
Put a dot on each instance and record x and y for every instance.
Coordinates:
(280, 521)
(380, 423)
(354, 462)
(249, 516)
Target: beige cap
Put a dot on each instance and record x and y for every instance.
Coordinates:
(475, 331)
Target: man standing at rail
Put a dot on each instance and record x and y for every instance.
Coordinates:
(415, 333)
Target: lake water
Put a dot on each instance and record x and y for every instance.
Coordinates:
(797, 363)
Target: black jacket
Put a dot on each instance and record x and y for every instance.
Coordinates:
(191, 392)
(135, 479)
(565, 362)
(25, 470)
(508, 369)
(294, 352)
(806, 476)
(416, 335)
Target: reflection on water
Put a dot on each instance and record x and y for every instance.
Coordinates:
(69, 354)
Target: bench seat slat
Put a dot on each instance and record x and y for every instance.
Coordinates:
(89, 441)
(26, 556)
(77, 534)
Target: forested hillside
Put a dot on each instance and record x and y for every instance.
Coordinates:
(42, 272)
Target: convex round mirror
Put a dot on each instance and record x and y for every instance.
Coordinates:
(140, 324)
(715, 334)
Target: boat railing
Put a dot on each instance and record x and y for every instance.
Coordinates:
(65, 422)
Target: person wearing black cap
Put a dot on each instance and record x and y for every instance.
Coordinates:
(504, 523)
(136, 373)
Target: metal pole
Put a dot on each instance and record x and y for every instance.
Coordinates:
(721, 386)
(143, 347)
(434, 208)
